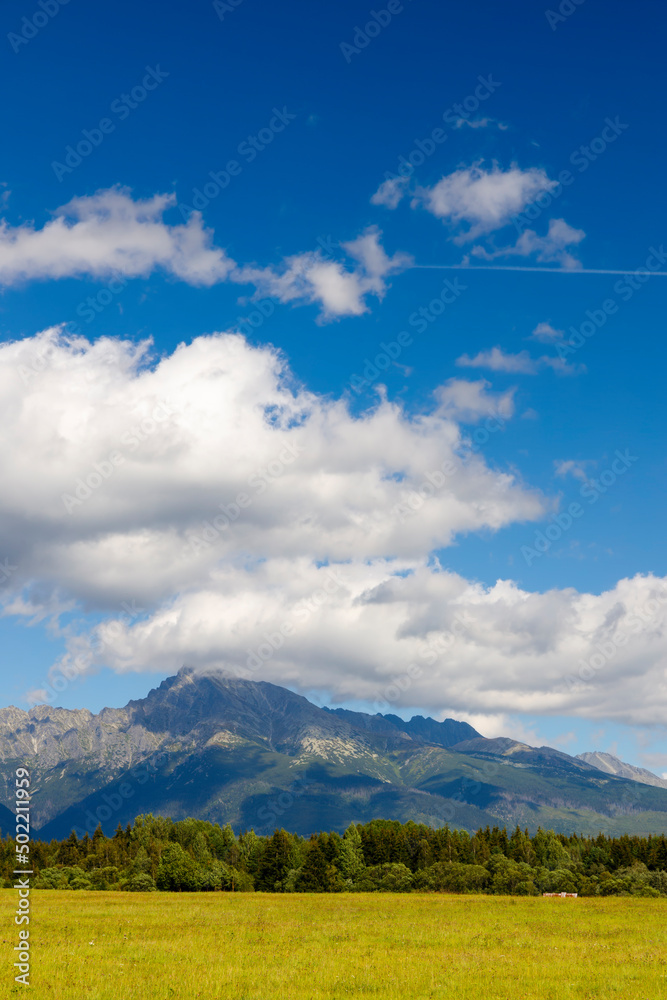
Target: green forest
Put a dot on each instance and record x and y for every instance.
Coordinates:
(158, 854)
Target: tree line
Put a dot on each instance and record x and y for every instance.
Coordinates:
(192, 855)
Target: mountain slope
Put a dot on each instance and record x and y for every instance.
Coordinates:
(7, 822)
(255, 754)
(612, 765)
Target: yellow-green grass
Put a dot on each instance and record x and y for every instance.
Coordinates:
(126, 946)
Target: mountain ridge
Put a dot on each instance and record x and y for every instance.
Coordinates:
(256, 754)
(612, 765)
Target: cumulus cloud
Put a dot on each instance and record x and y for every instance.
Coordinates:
(217, 513)
(390, 192)
(469, 402)
(485, 200)
(109, 233)
(354, 631)
(136, 456)
(340, 291)
(554, 247)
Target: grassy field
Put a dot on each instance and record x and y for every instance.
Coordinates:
(128, 946)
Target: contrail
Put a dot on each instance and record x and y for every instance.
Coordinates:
(546, 270)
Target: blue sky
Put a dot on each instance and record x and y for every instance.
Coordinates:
(315, 113)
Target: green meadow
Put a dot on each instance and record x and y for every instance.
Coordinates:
(262, 946)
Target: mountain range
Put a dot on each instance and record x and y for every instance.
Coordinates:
(257, 755)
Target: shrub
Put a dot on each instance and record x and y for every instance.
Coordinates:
(141, 883)
(81, 883)
(390, 877)
(452, 877)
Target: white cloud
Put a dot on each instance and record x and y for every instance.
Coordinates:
(562, 367)
(546, 334)
(480, 123)
(308, 277)
(522, 363)
(484, 199)
(573, 467)
(390, 192)
(554, 247)
(470, 402)
(109, 233)
(356, 632)
(218, 414)
(498, 361)
(239, 493)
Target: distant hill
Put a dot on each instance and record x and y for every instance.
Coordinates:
(257, 755)
(612, 765)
